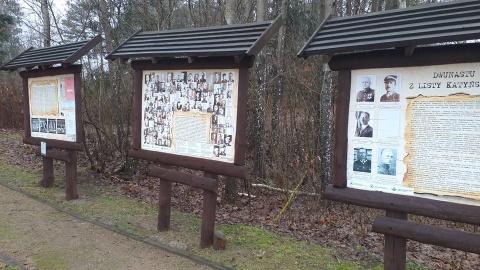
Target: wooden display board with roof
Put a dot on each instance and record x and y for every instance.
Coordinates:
(191, 106)
(52, 106)
(406, 119)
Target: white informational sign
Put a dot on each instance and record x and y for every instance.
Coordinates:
(416, 130)
(190, 112)
(52, 107)
(43, 148)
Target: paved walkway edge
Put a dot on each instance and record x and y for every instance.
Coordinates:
(166, 248)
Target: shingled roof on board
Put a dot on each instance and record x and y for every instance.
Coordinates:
(66, 55)
(228, 40)
(427, 24)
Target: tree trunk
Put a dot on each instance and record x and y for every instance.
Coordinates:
(230, 182)
(278, 89)
(247, 12)
(375, 5)
(391, 4)
(326, 124)
(259, 110)
(47, 39)
(324, 108)
(230, 11)
(261, 10)
(120, 126)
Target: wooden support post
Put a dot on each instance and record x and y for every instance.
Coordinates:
(164, 204)
(428, 234)
(208, 215)
(71, 176)
(47, 180)
(395, 257)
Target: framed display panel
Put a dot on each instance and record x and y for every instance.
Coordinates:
(192, 114)
(408, 125)
(52, 105)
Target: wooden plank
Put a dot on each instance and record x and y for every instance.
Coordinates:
(240, 43)
(48, 175)
(10, 64)
(248, 35)
(26, 109)
(371, 21)
(208, 215)
(71, 177)
(301, 53)
(218, 62)
(428, 234)
(241, 130)
(166, 174)
(265, 37)
(137, 110)
(422, 56)
(202, 31)
(389, 31)
(340, 147)
(164, 203)
(55, 154)
(83, 50)
(409, 204)
(200, 164)
(77, 81)
(54, 143)
(395, 256)
(51, 71)
(110, 55)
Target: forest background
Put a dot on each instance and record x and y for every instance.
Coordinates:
(290, 106)
(291, 100)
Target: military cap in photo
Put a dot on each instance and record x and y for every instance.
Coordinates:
(390, 78)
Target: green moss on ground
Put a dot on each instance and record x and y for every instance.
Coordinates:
(52, 259)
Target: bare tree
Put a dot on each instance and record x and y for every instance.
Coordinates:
(230, 11)
(47, 39)
(280, 65)
(259, 106)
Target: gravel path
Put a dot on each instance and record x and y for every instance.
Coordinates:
(37, 236)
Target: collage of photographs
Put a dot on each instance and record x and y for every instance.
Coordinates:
(198, 92)
(45, 125)
(376, 124)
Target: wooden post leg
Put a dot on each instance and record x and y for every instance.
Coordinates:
(71, 176)
(164, 205)
(47, 180)
(208, 215)
(395, 247)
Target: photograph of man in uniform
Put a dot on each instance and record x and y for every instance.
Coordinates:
(363, 128)
(390, 85)
(367, 94)
(387, 162)
(362, 164)
(228, 140)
